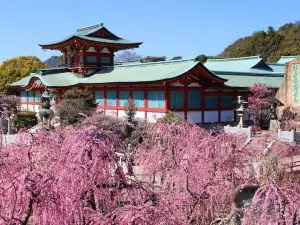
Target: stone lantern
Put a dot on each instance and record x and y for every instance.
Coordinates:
(45, 112)
(241, 110)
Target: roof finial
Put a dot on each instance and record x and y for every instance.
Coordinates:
(101, 24)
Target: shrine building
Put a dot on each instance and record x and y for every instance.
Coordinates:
(197, 92)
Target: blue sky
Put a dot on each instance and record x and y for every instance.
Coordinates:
(167, 27)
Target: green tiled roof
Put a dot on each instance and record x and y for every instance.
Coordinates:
(244, 65)
(248, 81)
(65, 79)
(140, 72)
(85, 33)
(286, 59)
(277, 67)
(144, 72)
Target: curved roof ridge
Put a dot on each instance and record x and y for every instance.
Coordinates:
(88, 28)
(86, 32)
(286, 59)
(155, 63)
(290, 56)
(238, 58)
(243, 64)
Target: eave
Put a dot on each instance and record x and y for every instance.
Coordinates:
(83, 42)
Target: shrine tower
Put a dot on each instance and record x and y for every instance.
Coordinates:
(90, 48)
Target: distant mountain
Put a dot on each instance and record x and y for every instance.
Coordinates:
(53, 61)
(270, 44)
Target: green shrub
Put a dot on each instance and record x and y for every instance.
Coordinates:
(74, 104)
(25, 120)
(119, 126)
(74, 94)
(172, 117)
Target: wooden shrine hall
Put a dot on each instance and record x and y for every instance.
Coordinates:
(194, 91)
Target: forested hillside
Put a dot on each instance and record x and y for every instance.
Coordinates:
(54, 61)
(270, 44)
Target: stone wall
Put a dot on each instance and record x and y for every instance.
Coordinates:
(238, 130)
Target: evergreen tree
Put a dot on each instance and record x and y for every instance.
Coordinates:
(17, 68)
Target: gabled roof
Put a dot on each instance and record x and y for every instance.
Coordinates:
(88, 34)
(245, 81)
(286, 59)
(279, 66)
(246, 65)
(129, 73)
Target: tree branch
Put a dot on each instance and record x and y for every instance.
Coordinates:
(29, 212)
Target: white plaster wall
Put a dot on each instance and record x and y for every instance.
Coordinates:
(140, 114)
(121, 113)
(37, 108)
(227, 115)
(99, 109)
(195, 117)
(194, 85)
(111, 112)
(177, 84)
(24, 107)
(181, 114)
(30, 108)
(105, 50)
(91, 49)
(210, 116)
(153, 116)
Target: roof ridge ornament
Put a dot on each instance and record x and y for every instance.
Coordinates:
(237, 58)
(89, 27)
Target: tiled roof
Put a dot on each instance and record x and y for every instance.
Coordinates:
(244, 65)
(248, 81)
(84, 33)
(286, 59)
(277, 67)
(139, 72)
(163, 71)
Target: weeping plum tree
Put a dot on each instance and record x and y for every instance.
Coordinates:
(202, 173)
(259, 104)
(73, 176)
(70, 176)
(198, 171)
(277, 201)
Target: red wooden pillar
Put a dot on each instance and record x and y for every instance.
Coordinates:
(84, 56)
(146, 102)
(185, 101)
(203, 104)
(167, 99)
(104, 99)
(66, 59)
(117, 101)
(98, 55)
(235, 96)
(219, 106)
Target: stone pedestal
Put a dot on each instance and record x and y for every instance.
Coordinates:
(9, 126)
(274, 126)
(241, 120)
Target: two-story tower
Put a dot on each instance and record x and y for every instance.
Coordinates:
(89, 48)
